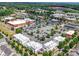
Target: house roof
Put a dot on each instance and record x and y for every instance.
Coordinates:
(70, 32)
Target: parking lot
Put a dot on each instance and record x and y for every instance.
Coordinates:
(44, 31)
(5, 49)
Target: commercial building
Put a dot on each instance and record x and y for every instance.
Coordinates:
(50, 45)
(29, 21)
(16, 23)
(8, 18)
(19, 23)
(71, 26)
(70, 17)
(35, 46)
(59, 38)
(54, 21)
(57, 15)
(21, 38)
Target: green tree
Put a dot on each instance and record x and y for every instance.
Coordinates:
(50, 53)
(71, 44)
(63, 34)
(45, 53)
(31, 33)
(67, 40)
(25, 54)
(18, 30)
(30, 51)
(48, 36)
(75, 34)
(37, 31)
(61, 45)
(52, 33)
(5, 12)
(61, 54)
(66, 49)
(38, 37)
(78, 38)
(1, 36)
(56, 27)
(42, 38)
(75, 40)
(12, 44)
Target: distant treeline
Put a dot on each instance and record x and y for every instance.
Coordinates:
(27, 5)
(23, 5)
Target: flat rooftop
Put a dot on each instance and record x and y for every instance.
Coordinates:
(17, 22)
(22, 38)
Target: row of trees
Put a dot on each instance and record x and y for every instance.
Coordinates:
(71, 11)
(40, 13)
(68, 44)
(47, 53)
(20, 48)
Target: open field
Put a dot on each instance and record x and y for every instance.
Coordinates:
(5, 29)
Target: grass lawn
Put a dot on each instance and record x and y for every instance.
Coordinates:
(1, 36)
(5, 28)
